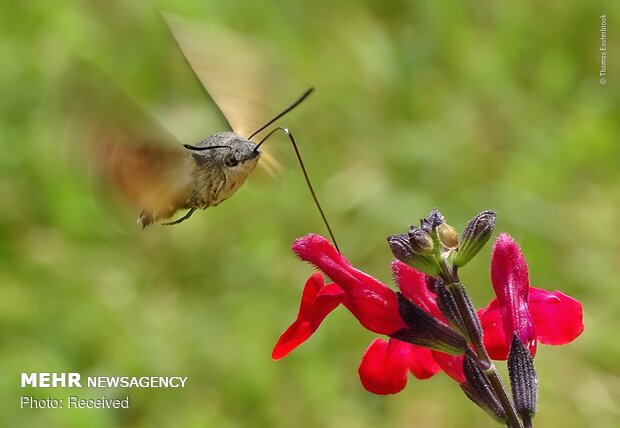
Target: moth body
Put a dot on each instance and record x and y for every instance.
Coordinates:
(211, 172)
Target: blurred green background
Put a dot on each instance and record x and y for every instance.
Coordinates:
(460, 105)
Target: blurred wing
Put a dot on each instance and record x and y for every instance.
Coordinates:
(234, 70)
(128, 149)
(154, 179)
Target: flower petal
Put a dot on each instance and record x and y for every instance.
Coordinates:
(370, 301)
(511, 282)
(384, 367)
(558, 318)
(413, 286)
(452, 365)
(493, 328)
(421, 362)
(316, 302)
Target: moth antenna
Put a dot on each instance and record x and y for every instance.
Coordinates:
(200, 149)
(283, 112)
(301, 164)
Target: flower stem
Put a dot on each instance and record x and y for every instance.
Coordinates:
(453, 284)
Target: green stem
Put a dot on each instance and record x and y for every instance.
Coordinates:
(453, 284)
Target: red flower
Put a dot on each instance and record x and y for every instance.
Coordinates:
(385, 365)
(551, 317)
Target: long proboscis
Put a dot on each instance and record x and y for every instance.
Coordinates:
(303, 169)
(283, 112)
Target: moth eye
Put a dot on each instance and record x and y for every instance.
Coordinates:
(231, 160)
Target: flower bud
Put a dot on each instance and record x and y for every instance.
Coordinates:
(426, 330)
(420, 241)
(448, 307)
(401, 247)
(403, 251)
(523, 378)
(479, 390)
(447, 236)
(432, 221)
(475, 235)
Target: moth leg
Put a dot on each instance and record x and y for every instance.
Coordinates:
(182, 219)
(145, 219)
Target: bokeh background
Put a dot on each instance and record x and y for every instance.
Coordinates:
(463, 106)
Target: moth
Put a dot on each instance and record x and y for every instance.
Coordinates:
(161, 176)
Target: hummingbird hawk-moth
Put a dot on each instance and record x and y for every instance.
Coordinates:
(161, 176)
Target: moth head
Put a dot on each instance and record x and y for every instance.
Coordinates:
(227, 148)
(242, 151)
